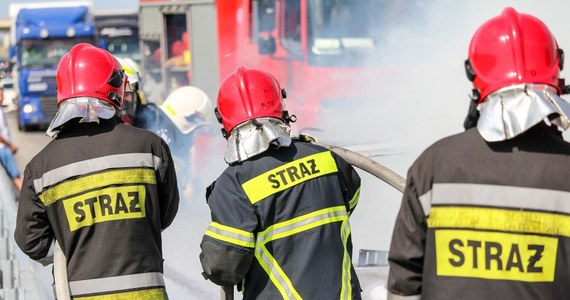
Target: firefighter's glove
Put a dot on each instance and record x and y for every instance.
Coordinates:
(305, 138)
(223, 264)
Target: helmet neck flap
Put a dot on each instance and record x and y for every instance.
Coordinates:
(87, 108)
(513, 110)
(256, 136)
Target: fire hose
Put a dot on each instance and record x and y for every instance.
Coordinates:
(368, 165)
(60, 273)
(359, 161)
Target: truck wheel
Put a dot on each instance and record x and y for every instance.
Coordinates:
(23, 128)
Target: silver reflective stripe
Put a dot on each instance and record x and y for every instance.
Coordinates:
(116, 283)
(496, 196)
(231, 235)
(276, 274)
(425, 201)
(129, 160)
(398, 297)
(292, 228)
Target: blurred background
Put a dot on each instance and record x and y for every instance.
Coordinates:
(384, 78)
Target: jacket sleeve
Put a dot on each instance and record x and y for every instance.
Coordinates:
(228, 243)
(406, 255)
(167, 187)
(33, 233)
(349, 181)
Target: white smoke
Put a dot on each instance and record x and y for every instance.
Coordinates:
(428, 99)
(423, 99)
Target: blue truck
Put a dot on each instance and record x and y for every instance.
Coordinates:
(41, 34)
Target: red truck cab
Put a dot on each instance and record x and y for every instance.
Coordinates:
(323, 52)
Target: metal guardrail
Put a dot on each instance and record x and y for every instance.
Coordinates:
(10, 288)
(20, 277)
(372, 258)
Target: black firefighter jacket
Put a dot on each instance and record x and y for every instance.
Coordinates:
(280, 219)
(105, 192)
(485, 220)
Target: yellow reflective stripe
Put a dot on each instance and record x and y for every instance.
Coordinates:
(170, 110)
(230, 235)
(352, 203)
(289, 175)
(500, 219)
(291, 227)
(152, 294)
(302, 223)
(276, 274)
(346, 287)
(95, 181)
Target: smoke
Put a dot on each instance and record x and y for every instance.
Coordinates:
(422, 97)
(198, 159)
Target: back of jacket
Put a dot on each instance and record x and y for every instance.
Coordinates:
(105, 192)
(288, 208)
(486, 220)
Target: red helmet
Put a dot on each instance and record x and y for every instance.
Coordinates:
(511, 49)
(88, 71)
(248, 94)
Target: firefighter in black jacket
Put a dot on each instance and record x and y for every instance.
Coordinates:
(104, 190)
(280, 210)
(486, 213)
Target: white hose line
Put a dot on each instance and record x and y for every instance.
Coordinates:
(60, 274)
(368, 165)
(227, 293)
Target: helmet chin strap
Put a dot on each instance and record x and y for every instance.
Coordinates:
(118, 101)
(564, 89)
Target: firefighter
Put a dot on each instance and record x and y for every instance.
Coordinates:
(135, 98)
(179, 120)
(104, 190)
(485, 213)
(280, 211)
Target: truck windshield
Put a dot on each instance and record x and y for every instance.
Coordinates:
(338, 27)
(48, 52)
(123, 46)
